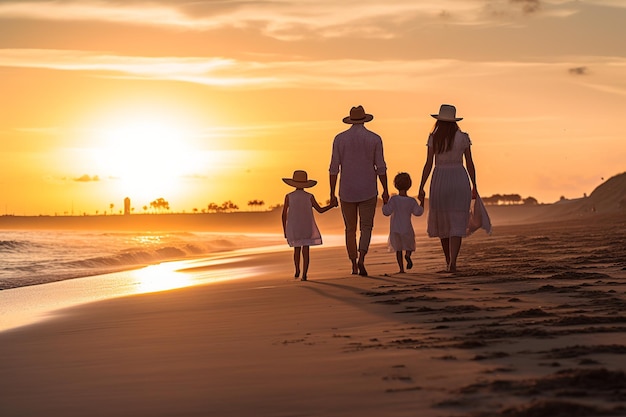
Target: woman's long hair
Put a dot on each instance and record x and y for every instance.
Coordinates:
(443, 135)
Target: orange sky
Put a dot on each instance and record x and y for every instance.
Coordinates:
(202, 101)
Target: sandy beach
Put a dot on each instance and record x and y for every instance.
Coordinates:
(531, 325)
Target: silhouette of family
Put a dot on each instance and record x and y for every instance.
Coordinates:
(357, 162)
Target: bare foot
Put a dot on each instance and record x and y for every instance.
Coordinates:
(362, 270)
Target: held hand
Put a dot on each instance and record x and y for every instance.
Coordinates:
(333, 201)
(421, 196)
(385, 197)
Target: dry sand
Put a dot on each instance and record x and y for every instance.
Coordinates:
(532, 325)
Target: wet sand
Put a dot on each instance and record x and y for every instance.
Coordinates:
(533, 324)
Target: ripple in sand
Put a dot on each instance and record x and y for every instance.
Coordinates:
(579, 350)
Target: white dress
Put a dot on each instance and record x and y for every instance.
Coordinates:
(301, 228)
(450, 191)
(401, 233)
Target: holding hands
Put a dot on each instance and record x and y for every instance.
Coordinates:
(385, 197)
(421, 196)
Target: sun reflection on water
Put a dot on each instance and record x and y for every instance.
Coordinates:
(160, 277)
(179, 274)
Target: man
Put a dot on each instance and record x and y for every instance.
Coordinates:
(358, 155)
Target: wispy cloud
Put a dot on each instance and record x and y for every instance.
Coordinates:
(345, 74)
(288, 19)
(528, 6)
(579, 71)
(209, 71)
(87, 178)
(611, 89)
(338, 74)
(608, 3)
(96, 11)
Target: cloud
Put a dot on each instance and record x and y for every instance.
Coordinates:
(281, 19)
(528, 6)
(578, 71)
(610, 89)
(337, 74)
(608, 3)
(95, 11)
(345, 74)
(209, 71)
(87, 178)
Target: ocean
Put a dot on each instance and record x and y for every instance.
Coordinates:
(39, 257)
(44, 272)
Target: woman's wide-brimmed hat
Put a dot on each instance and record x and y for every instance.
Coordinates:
(357, 116)
(300, 179)
(447, 113)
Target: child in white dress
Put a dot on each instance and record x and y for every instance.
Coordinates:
(400, 207)
(299, 225)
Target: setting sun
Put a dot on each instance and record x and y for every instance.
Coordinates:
(146, 156)
(154, 152)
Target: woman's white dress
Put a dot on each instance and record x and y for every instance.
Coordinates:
(450, 191)
(301, 229)
(401, 233)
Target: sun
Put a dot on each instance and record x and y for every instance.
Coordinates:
(145, 152)
(148, 156)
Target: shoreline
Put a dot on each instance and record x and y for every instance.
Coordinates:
(32, 304)
(106, 252)
(330, 241)
(35, 303)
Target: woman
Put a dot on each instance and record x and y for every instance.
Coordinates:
(450, 192)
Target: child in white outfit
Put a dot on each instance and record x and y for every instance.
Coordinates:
(400, 207)
(299, 225)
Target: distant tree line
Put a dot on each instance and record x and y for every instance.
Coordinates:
(161, 205)
(508, 199)
(255, 203)
(226, 206)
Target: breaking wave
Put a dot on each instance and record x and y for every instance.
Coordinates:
(31, 258)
